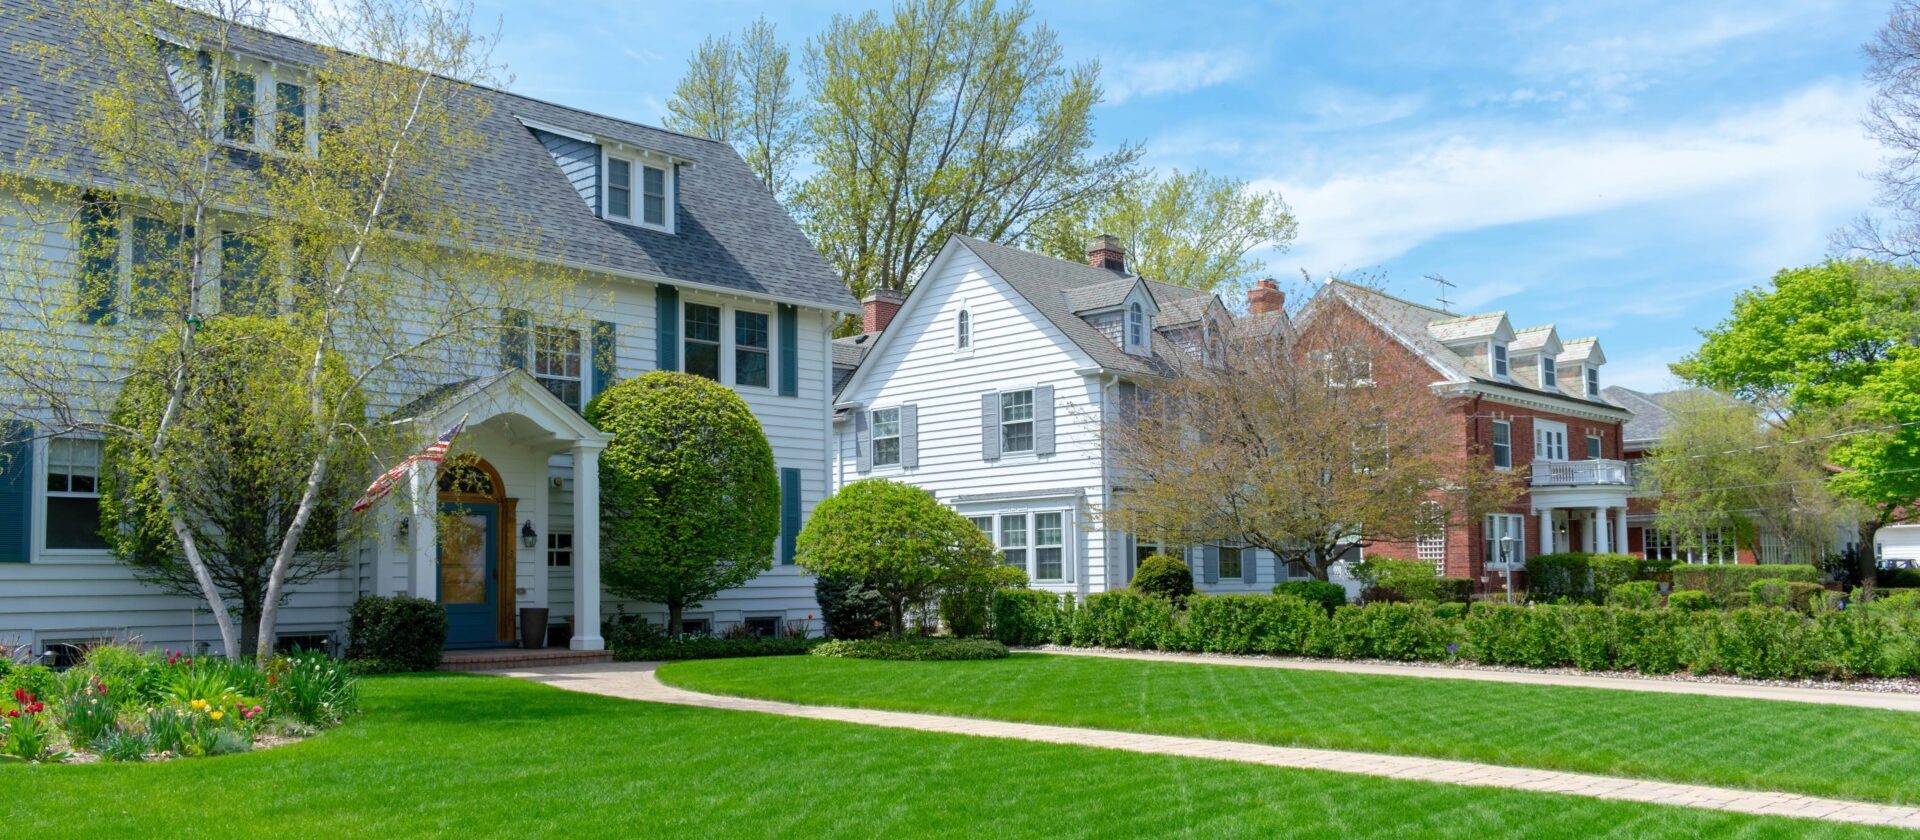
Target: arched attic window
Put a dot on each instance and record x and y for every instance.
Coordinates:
(963, 330)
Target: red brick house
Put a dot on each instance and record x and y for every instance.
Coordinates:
(1528, 399)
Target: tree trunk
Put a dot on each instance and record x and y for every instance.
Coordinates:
(1868, 567)
(250, 638)
(897, 614)
(674, 609)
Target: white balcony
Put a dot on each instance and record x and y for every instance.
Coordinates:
(1594, 472)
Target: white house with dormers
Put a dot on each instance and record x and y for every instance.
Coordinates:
(689, 265)
(988, 386)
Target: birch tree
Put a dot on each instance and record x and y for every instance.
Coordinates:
(195, 169)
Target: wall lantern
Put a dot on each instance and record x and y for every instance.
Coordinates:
(400, 531)
(528, 536)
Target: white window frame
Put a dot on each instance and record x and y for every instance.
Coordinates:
(720, 341)
(267, 78)
(1497, 361)
(1497, 526)
(636, 186)
(1549, 373)
(1499, 448)
(1058, 545)
(1716, 548)
(44, 474)
(1136, 326)
(728, 344)
(607, 186)
(1003, 539)
(1029, 421)
(1596, 446)
(731, 315)
(876, 438)
(1590, 375)
(1019, 531)
(1549, 440)
(963, 331)
(579, 355)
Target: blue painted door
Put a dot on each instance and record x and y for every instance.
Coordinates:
(469, 563)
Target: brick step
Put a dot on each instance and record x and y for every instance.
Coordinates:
(506, 658)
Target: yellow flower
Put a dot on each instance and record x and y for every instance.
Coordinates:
(199, 705)
(217, 715)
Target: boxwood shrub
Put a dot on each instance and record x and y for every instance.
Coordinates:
(396, 633)
(1125, 619)
(1329, 595)
(1025, 617)
(1252, 623)
(1164, 576)
(1785, 594)
(1729, 583)
(1691, 600)
(1498, 634)
(912, 649)
(1635, 594)
(1404, 632)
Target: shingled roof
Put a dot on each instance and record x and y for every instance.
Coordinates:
(1653, 412)
(730, 233)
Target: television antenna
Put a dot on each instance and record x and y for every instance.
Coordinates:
(1442, 284)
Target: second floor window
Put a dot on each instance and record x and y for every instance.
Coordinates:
(1549, 441)
(703, 340)
(886, 437)
(244, 286)
(1016, 421)
(556, 363)
(1500, 360)
(238, 106)
(619, 189)
(1502, 444)
(963, 330)
(1594, 447)
(1549, 372)
(752, 348)
(289, 117)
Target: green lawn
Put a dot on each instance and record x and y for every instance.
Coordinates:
(477, 757)
(1826, 750)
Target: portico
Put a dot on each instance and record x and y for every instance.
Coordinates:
(1581, 505)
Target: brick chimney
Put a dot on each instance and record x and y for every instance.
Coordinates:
(1265, 297)
(1104, 251)
(880, 307)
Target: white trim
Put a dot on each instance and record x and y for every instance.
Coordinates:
(550, 128)
(1543, 402)
(638, 163)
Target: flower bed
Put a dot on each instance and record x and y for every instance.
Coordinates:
(125, 704)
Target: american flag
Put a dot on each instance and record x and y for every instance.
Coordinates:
(434, 452)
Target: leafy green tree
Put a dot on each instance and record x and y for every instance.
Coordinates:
(742, 93)
(689, 498)
(1189, 228)
(899, 539)
(706, 102)
(238, 431)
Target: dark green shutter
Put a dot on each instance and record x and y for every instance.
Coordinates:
(789, 350)
(666, 327)
(16, 492)
(789, 513)
(604, 362)
(99, 250)
(516, 327)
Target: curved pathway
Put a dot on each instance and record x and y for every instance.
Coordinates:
(1890, 700)
(636, 681)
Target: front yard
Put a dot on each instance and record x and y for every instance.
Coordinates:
(1835, 751)
(465, 756)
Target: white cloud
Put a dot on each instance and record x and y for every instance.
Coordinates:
(1132, 78)
(1646, 371)
(1789, 169)
(1592, 68)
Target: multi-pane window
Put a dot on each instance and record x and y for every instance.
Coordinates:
(159, 269)
(886, 437)
(1013, 539)
(1502, 444)
(73, 494)
(244, 287)
(1431, 545)
(559, 548)
(984, 523)
(752, 349)
(1049, 543)
(1709, 545)
(1016, 421)
(1549, 372)
(1549, 441)
(619, 188)
(1506, 539)
(556, 362)
(703, 340)
(1593, 383)
(653, 182)
(1136, 326)
(289, 117)
(1500, 360)
(238, 105)
(1232, 562)
(1594, 448)
(963, 330)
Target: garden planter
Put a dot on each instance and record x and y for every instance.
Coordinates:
(533, 627)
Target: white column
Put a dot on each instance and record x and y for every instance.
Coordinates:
(1620, 530)
(1546, 533)
(423, 499)
(586, 549)
(1601, 536)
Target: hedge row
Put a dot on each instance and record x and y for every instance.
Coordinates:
(1759, 643)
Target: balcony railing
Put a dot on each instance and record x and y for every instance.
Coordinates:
(1605, 471)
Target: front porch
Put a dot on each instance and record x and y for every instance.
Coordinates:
(1581, 505)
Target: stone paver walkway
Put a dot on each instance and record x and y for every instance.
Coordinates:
(1894, 701)
(636, 681)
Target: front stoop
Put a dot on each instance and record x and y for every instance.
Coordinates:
(500, 659)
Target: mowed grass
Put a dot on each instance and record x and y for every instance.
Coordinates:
(471, 757)
(1833, 751)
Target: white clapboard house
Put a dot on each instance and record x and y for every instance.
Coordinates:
(690, 265)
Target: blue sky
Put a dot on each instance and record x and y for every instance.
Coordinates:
(1617, 169)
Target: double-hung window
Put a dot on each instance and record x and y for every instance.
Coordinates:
(1232, 562)
(244, 286)
(1035, 542)
(1594, 448)
(1016, 421)
(73, 493)
(1049, 545)
(1502, 445)
(1549, 373)
(886, 437)
(556, 363)
(1013, 539)
(653, 197)
(289, 117)
(1593, 382)
(703, 340)
(158, 283)
(1500, 360)
(752, 348)
(1506, 539)
(619, 189)
(239, 106)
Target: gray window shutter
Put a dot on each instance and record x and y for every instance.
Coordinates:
(909, 436)
(862, 441)
(16, 492)
(1069, 548)
(516, 330)
(789, 350)
(1250, 565)
(604, 362)
(789, 513)
(666, 327)
(1128, 548)
(1209, 564)
(990, 426)
(1043, 420)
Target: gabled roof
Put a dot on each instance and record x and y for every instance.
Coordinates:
(1179, 305)
(1582, 351)
(1451, 328)
(730, 232)
(1100, 296)
(1653, 412)
(1535, 340)
(848, 353)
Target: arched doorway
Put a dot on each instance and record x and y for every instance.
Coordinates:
(476, 553)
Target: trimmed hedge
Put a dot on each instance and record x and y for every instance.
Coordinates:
(912, 649)
(1729, 584)
(396, 633)
(1253, 624)
(1691, 600)
(1635, 594)
(1330, 595)
(1164, 576)
(1027, 617)
(664, 648)
(1126, 619)
(1785, 594)
(1579, 577)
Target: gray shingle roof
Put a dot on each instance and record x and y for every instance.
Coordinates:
(730, 233)
(1101, 295)
(848, 353)
(1653, 413)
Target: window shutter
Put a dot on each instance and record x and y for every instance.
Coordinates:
(1249, 565)
(789, 350)
(990, 426)
(1210, 564)
(1069, 548)
(16, 493)
(1129, 548)
(909, 436)
(862, 441)
(789, 513)
(97, 256)
(605, 364)
(666, 327)
(1043, 420)
(516, 327)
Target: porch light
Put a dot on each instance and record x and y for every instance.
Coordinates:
(528, 536)
(400, 531)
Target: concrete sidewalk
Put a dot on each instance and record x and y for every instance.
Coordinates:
(636, 681)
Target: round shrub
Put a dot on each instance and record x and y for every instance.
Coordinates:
(912, 649)
(396, 633)
(1692, 600)
(1329, 595)
(849, 607)
(1635, 595)
(901, 540)
(1164, 576)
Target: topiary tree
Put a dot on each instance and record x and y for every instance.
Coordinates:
(1164, 576)
(689, 498)
(898, 538)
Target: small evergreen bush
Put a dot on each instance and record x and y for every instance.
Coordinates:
(1691, 600)
(1404, 632)
(912, 649)
(1025, 617)
(1164, 576)
(1635, 595)
(1531, 637)
(1763, 643)
(1126, 619)
(1252, 624)
(1332, 596)
(1453, 590)
(396, 633)
(850, 607)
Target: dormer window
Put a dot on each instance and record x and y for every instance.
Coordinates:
(653, 188)
(1136, 326)
(1549, 374)
(256, 104)
(237, 123)
(1593, 382)
(1499, 357)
